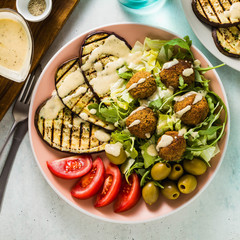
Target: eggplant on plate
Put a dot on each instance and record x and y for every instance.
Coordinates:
(65, 131)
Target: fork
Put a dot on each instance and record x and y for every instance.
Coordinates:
(19, 127)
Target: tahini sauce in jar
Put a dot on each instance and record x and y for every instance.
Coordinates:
(15, 46)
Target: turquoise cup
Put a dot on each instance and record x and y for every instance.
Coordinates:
(137, 4)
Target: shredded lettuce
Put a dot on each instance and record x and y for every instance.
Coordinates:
(148, 159)
(166, 123)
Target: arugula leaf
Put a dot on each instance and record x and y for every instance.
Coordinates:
(157, 184)
(209, 131)
(110, 114)
(204, 70)
(184, 43)
(202, 80)
(143, 179)
(156, 103)
(182, 85)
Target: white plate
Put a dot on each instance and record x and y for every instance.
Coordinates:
(204, 34)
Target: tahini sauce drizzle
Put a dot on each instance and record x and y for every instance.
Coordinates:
(114, 149)
(137, 109)
(170, 64)
(112, 46)
(71, 82)
(234, 11)
(134, 85)
(187, 72)
(197, 98)
(51, 109)
(151, 150)
(14, 44)
(134, 123)
(108, 76)
(182, 111)
(165, 141)
(102, 136)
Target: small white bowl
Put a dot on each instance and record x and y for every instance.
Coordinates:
(22, 8)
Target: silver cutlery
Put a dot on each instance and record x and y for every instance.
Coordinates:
(19, 127)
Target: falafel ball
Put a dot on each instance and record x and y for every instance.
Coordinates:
(142, 85)
(142, 122)
(171, 146)
(170, 76)
(195, 112)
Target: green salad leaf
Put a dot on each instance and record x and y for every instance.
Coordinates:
(184, 43)
(126, 75)
(148, 159)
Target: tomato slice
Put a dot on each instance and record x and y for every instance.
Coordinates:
(89, 184)
(71, 167)
(110, 187)
(129, 194)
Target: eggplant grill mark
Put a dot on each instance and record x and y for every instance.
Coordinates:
(90, 136)
(95, 41)
(224, 9)
(229, 32)
(43, 128)
(203, 9)
(80, 101)
(71, 131)
(104, 36)
(100, 60)
(61, 134)
(52, 131)
(68, 69)
(80, 134)
(224, 37)
(210, 3)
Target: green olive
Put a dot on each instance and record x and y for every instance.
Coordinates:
(121, 158)
(150, 193)
(187, 183)
(170, 190)
(160, 171)
(195, 166)
(176, 172)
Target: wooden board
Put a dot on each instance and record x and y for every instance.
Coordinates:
(43, 34)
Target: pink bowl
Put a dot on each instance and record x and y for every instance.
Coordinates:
(141, 212)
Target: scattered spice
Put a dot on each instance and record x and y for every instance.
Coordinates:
(36, 7)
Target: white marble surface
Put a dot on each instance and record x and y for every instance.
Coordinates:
(32, 210)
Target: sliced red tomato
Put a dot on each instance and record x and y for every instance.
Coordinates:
(71, 167)
(89, 184)
(110, 187)
(129, 194)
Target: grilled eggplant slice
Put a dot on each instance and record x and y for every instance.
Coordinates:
(213, 12)
(227, 40)
(65, 131)
(101, 54)
(76, 94)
